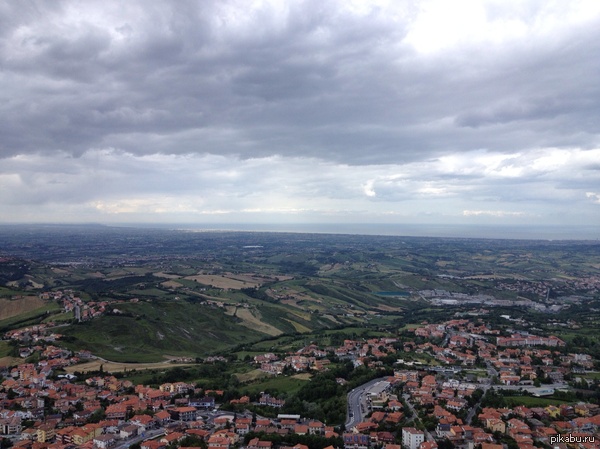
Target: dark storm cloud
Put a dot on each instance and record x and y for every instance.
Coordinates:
(299, 79)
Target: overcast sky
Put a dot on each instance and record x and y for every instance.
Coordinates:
(300, 111)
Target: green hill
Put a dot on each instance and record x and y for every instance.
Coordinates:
(145, 332)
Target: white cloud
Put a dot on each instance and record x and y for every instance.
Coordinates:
(108, 184)
(368, 188)
(595, 197)
(360, 110)
(442, 26)
(493, 213)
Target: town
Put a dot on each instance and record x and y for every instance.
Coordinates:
(420, 405)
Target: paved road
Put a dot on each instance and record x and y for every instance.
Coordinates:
(492, 372)
(531, 388)
(149, 434)
(357, 402)
(154, 433)
(415, 417)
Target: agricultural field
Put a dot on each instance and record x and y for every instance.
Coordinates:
(36, 315)
(21, 305)
(149, 331)
(116, 367)
(530, 401)
(253, 320)
(200, 293)
(287, 384)
(5, 348)
(226, 282)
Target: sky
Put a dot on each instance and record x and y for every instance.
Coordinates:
(354, 111)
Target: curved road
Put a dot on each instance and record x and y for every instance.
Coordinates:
(357, 402)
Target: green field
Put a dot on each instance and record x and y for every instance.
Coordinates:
(148, 332)
(279, 384)
(6, 292)
(529, 401)
(50, 309)
(5, 348)
(310, 287)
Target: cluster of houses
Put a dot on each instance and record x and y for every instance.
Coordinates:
(448, 399)
(40, 411)
(538, 424)
(527, 426)
(71, 303)
(588, 284)
(520, 340)
(33, 334)
(518, 360)
(298, 363)
(314, 358)
(465, 342)
(539, 288)
(82, 310)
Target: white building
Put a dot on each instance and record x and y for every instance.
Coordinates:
(412, 438)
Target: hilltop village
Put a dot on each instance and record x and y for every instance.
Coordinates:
(416, 406)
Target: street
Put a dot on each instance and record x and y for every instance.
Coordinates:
(357, 402)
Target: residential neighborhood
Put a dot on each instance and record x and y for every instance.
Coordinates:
(419, 406)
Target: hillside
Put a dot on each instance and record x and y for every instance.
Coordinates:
(145, 295)
(145, 331)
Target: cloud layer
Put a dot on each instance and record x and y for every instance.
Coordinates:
(303, 110)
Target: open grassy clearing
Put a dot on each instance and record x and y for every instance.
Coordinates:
(249, 278)
(529, 401)
(117, 274)
(5, 348)
(252, 321)
(280, 316)
(147, 331)
(151, 292)
(31, 317)
(224, 282)
(171, 284)
(292, 302)
(299, 327)
(33, 282)
(386, 308)
(252, 376)
(281, 384)
(10, 361)
(228, 281)
(305, 316)
(6, 292)
(60, 318)
(115, 367)
(330, 269)
(166, 275)
(14, 307)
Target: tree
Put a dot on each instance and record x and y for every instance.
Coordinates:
(97, 416)
(445, 444)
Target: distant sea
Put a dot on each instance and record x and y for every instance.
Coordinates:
(426, 230)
